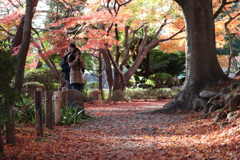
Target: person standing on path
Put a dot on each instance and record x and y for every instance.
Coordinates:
(65, 65)
(76, 64)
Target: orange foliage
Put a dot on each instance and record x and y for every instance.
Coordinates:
(173, 46)
(223, 60)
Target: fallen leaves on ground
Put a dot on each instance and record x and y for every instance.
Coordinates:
(118, 133)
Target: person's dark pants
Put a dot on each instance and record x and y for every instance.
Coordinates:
(77, 86)
(68, 85)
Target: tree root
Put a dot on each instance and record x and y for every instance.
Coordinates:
(213, 108)
(231, 106)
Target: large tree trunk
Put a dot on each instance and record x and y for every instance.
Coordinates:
(25, 37)
(203, 69)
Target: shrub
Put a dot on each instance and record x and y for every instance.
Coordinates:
(137, 93)
(163, 93)
(160, 80)
(43, 76)
(29, 88)
(160, 93)
(118, 95)
(93, 95)
(92, 85)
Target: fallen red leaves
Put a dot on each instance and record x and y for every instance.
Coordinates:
(119, 133)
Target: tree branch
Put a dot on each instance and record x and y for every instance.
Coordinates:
(224, 2)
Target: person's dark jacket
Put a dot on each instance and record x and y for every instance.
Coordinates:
(65, 67)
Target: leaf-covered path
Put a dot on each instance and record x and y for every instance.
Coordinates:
(118, 133)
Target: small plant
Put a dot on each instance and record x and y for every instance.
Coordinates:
(25, 113)
(73, 115)
(26, 116)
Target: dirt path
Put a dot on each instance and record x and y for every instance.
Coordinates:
(118, 133)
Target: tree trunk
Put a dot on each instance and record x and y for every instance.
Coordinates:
(1, 144)
(108, 70)
(100, 78)
(25, 37)
(24, 47)
(203, 69)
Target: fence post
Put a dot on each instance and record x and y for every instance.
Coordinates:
(58, 98)
(64, 102)
(38, 112)
(49, 110)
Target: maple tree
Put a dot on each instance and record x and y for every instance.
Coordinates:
(105, 27)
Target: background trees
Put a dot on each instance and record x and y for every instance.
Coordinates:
(124, 33)
(116, 29)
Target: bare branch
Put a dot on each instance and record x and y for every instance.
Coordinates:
(224, 3)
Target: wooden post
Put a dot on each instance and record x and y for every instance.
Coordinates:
(49, 110)
(100, 98)
(58, 97)
(64, 102)
(38, 112)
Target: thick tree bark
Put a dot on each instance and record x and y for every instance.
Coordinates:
(25, 26)
(25, 37)
(203, 69)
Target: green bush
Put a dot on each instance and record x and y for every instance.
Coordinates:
(160, 93)
(92, 85)
(43, 76)
(136, 93)
(160, 80)
(163, 93)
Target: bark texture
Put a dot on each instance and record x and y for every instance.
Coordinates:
(23, 36)
(203, 69)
